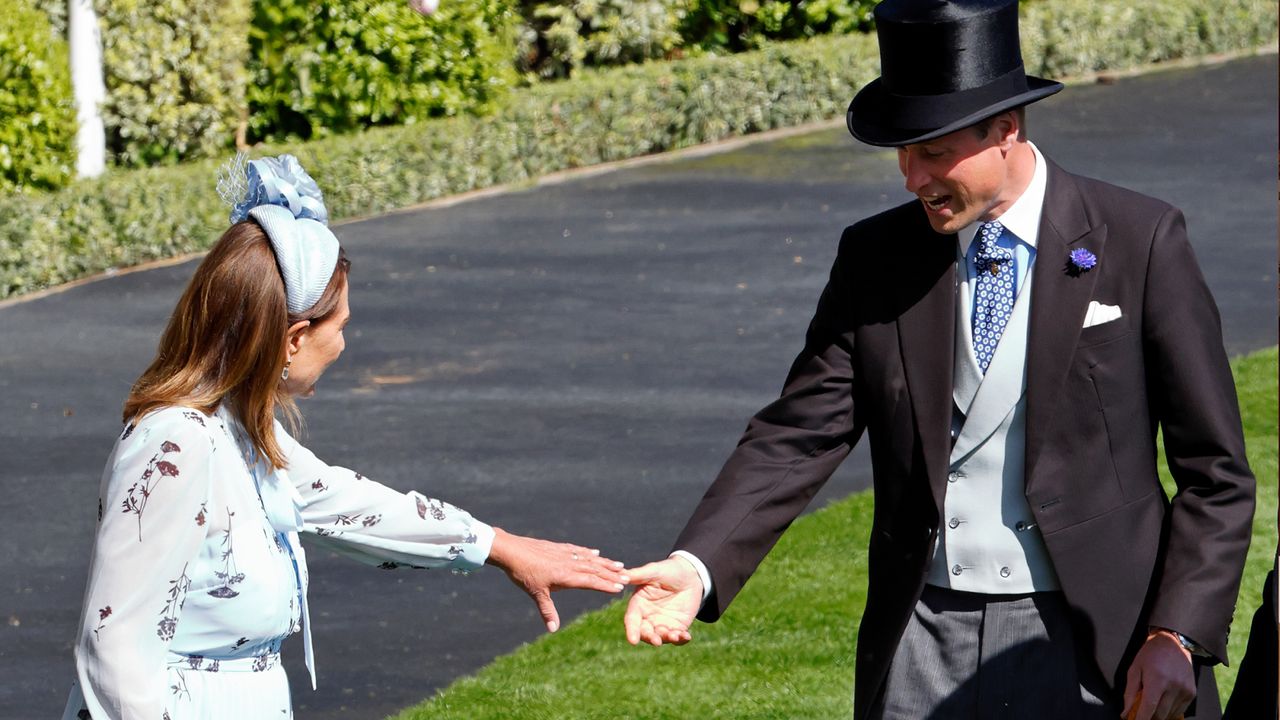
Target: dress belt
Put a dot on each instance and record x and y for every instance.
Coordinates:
(262, 662)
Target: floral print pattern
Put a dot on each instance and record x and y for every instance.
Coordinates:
(262, 662)
(229, 575)
(140, 492)
(434, 507)
(179, 688)
(208, 580)
(103, 614)
(366, 520)
(177, 598)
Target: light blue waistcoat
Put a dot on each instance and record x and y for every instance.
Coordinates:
(988, 541)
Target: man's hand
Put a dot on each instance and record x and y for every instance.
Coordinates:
(667, 598)
(1160, 684)
(540, 567)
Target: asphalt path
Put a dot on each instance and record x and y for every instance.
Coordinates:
(572, 361)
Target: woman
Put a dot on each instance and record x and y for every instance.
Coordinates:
(197, 575)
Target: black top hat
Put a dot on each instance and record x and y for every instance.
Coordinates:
(945, 65)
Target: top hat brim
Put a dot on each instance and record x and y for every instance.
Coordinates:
(877, 117)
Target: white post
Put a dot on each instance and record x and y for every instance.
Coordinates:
(86, 78)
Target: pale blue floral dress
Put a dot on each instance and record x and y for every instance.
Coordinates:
(197, 575)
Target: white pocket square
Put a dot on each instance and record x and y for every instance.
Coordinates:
(1099, 313)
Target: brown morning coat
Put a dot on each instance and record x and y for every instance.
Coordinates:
(878, 357)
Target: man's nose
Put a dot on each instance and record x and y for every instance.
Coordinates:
(914, 176)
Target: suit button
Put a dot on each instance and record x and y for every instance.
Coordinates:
(954, 523)
(1020, 526)
(1004, 572)
(956, 569)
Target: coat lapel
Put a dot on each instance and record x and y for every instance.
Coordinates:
(1002, 387)
(967, 376)
(1059, 302)
(926, 336)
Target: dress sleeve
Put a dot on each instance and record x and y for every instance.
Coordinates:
(372, 523)
(150, 530)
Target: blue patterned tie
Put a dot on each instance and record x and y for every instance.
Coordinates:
(993, 301)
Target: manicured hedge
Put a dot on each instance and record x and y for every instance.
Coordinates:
(559, 37)
(38, 131)
(128, 217)
(175, 77)
(337, 66)
(56, 11)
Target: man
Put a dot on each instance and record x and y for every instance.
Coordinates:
(1010, 342)
(1255, 694)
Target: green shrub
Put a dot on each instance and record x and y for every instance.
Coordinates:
(335, 66)
(175, 77)
(1078, 37)
(737, 25)
(37, 112)
(598, 117)
(56, 11)
(132, 216)
(558, 38)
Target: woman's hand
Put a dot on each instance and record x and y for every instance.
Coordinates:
(540, 567)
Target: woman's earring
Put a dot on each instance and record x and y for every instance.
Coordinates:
(284, 374)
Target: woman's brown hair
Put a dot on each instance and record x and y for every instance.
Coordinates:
(226, 339)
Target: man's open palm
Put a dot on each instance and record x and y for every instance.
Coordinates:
(668, 595)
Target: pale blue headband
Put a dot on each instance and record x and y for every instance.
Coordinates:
(278, 194)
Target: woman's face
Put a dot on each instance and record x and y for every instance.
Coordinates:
(313, 346)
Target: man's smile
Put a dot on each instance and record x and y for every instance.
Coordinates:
(935, 203)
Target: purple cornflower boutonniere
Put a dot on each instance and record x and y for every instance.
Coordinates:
(1081, 261)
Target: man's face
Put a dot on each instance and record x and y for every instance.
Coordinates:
(960, 178)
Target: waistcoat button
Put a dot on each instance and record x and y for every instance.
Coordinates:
(956, 569)
(954, 523)
(1004, 572)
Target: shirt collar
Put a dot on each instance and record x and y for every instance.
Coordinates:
(1023, 217)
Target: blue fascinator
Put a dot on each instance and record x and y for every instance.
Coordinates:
(279, 195)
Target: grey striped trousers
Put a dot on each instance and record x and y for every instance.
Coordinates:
(968, 656)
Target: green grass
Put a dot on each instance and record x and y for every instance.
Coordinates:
(1256, 386)
(785, 648)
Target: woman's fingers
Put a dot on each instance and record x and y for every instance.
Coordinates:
(542, 567)
(609, 570)
(600, 579)
(547, 608)
(586, 562)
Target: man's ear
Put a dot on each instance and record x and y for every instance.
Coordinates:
(1006, 129)
(296, 336)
